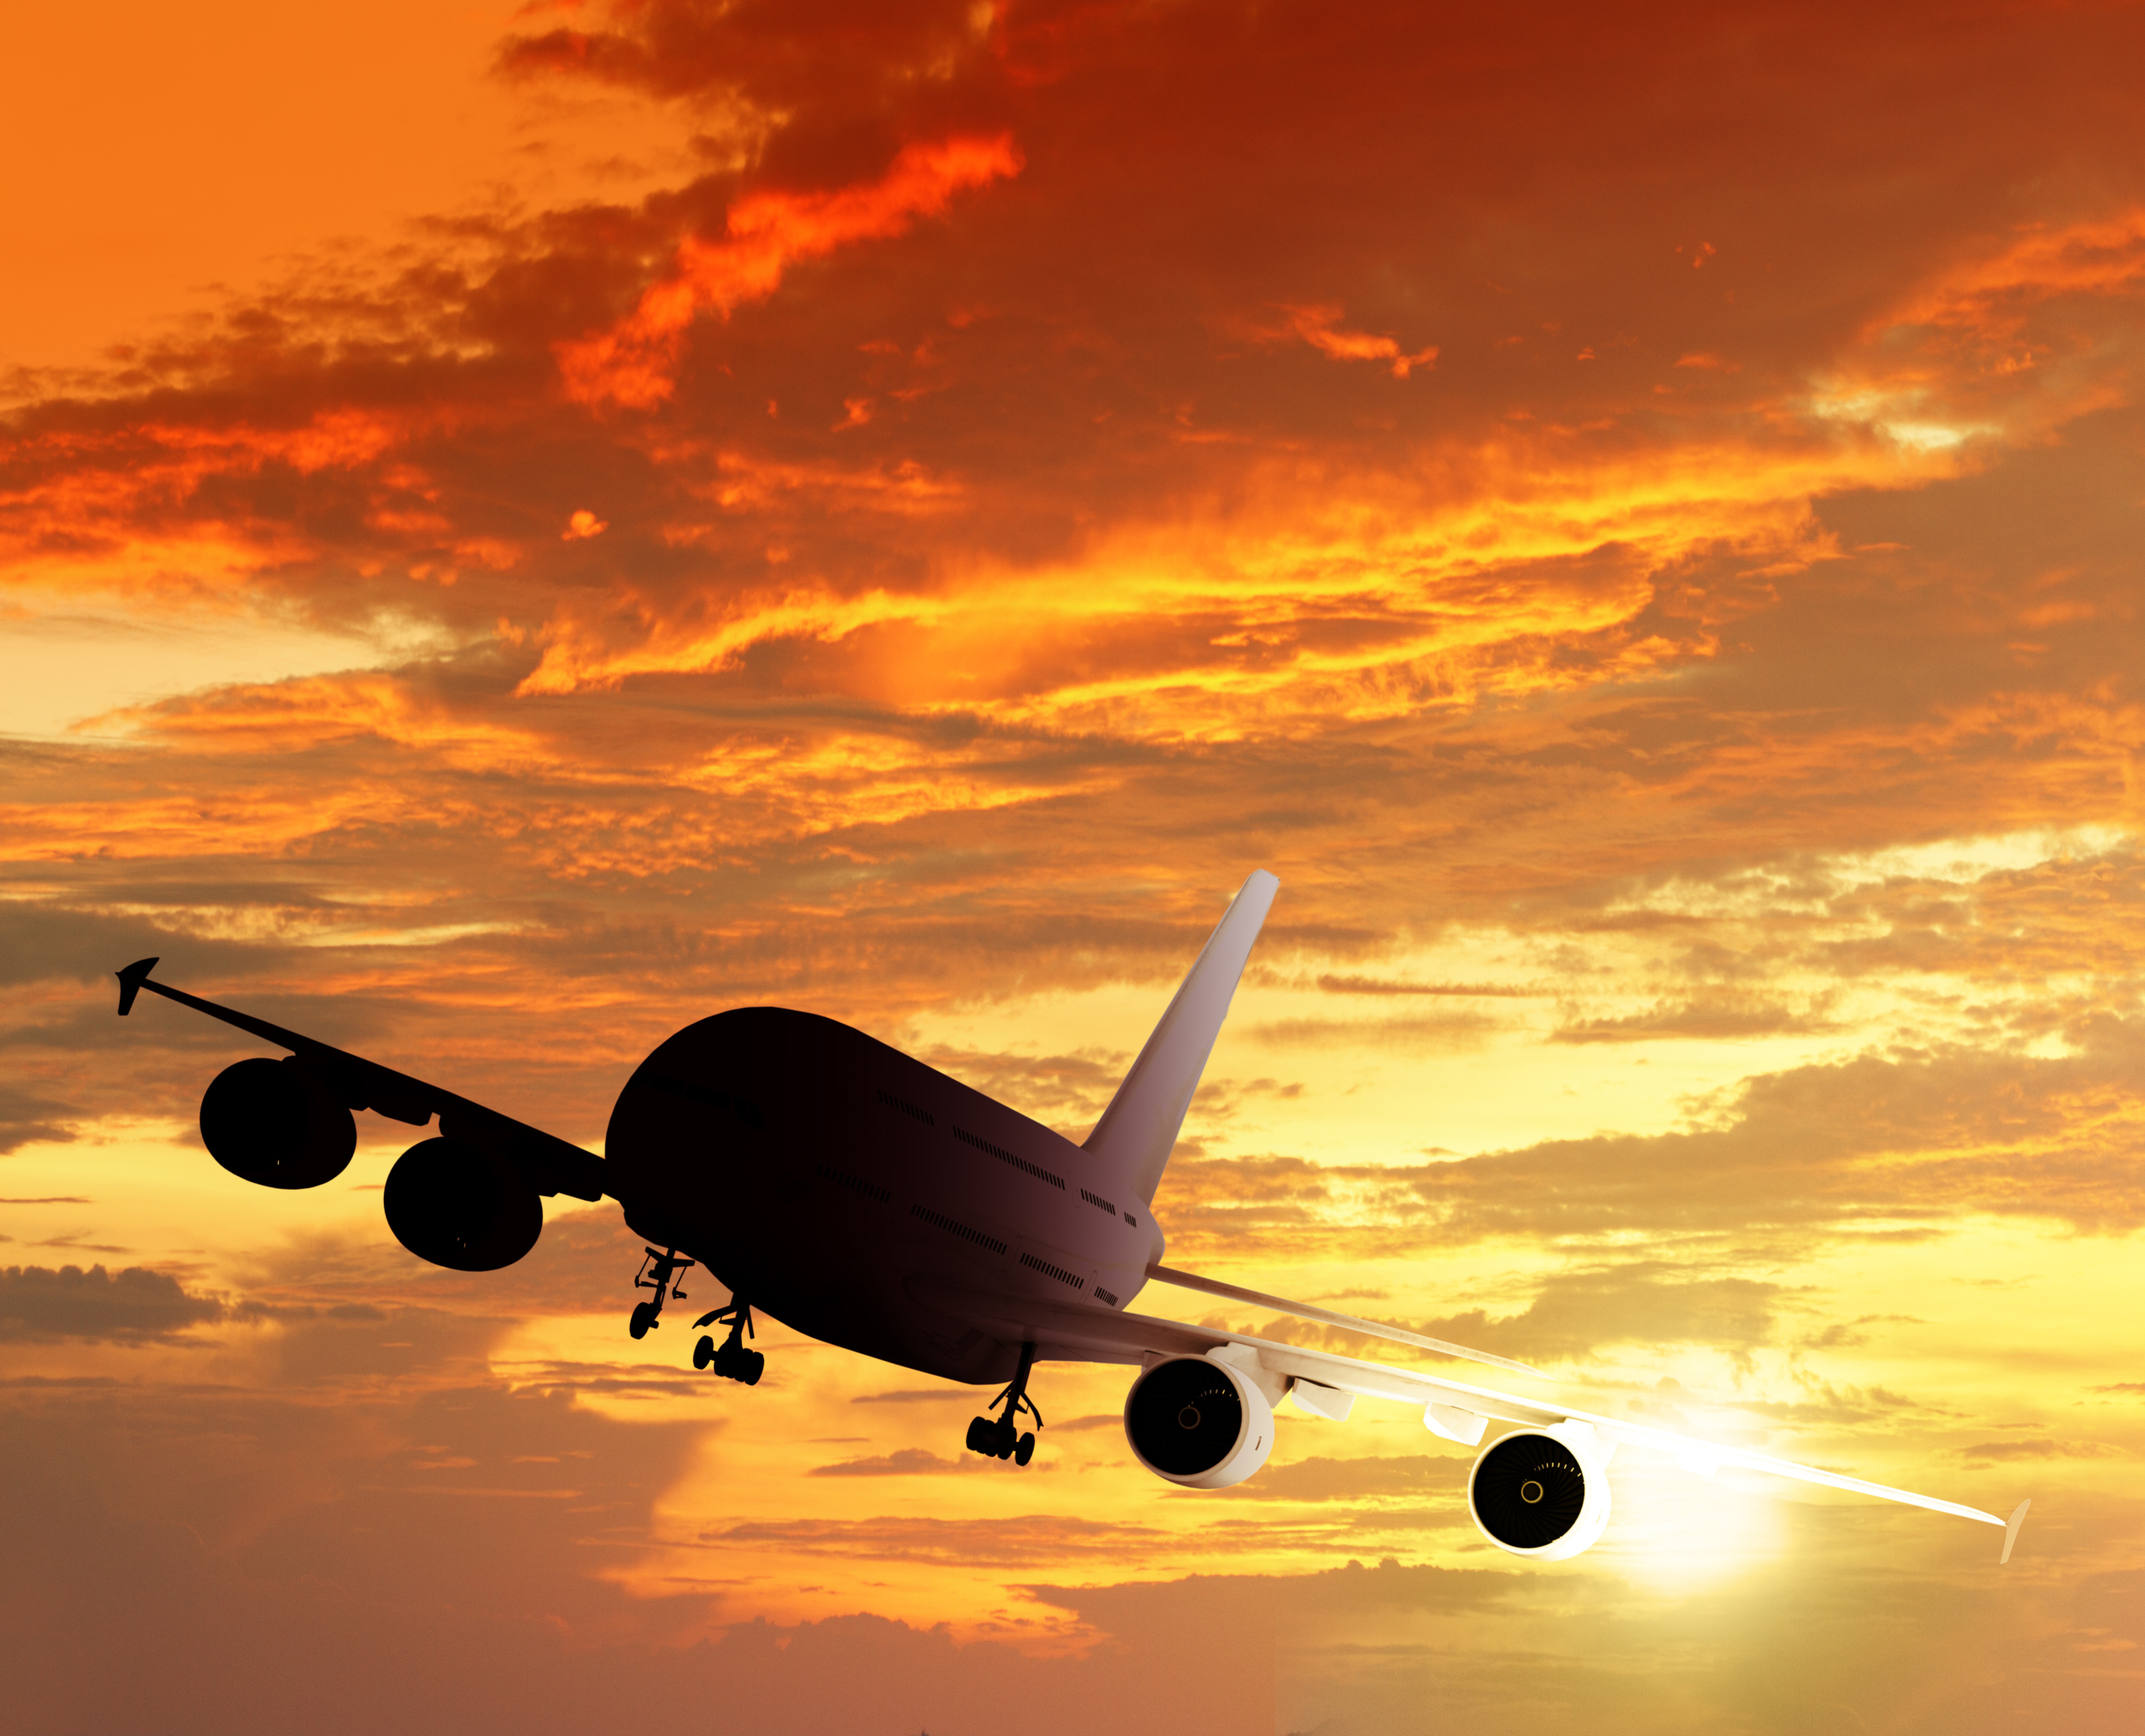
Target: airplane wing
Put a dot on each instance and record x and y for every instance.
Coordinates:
(552, 1164)
(1327, 1316)
(1326, 1385)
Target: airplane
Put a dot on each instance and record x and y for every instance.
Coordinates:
(853, 1193)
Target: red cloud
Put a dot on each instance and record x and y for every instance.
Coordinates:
(1316, 326)
(634, 363)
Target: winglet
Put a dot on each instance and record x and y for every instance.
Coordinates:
(130, 983)
(2011, 1530)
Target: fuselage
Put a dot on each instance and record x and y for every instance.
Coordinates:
(816, 1171)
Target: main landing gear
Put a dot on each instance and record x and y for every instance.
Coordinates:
(1002, 1439)
(659, 1271)
(730, 1359)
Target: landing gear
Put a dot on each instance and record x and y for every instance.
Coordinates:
(730, 1359)
(659, 1271)
(1003, 1440)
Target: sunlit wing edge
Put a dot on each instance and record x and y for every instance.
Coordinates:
(1123, 1337)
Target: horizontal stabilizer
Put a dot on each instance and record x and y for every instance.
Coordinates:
(1139, 1128)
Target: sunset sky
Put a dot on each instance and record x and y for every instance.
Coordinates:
(524, 526)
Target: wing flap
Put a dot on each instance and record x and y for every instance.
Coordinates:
(1327, 1316)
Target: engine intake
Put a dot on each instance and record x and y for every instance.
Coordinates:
(460, 1207)
(273, 1122)
(1542, 1492)
(1198, 1422)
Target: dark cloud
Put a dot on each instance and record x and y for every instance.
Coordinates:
(903, 1462)
(1335, 985)
(1019, 1540)
(42, 940)
(1714, 1018)
(1430, 1478)
(138, 1305)
(1374, 1646)
(1578, 1314)
(1830, 1144)
(1988, 1452)
(24, 1118)
(1821, 1149)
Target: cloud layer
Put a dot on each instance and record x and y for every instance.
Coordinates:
(894, 510)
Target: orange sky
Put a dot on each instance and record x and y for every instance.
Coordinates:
(523, 527)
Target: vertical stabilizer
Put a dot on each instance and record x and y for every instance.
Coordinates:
(1139, 1129)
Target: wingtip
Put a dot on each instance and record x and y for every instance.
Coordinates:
(130, 983)
(2011, 1530)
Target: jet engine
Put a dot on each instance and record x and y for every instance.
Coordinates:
(1199, 1422)
(461, 1207)
(1542, 1492)
(276, 1123)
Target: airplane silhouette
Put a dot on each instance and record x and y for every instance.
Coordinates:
(855, 1194)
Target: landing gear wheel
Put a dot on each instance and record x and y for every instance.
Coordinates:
(659, 1272)
(1001, 1438)
(734, 1362)
(730, 1359)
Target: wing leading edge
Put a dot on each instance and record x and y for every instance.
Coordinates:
(1454, 1409)
(553, 1166)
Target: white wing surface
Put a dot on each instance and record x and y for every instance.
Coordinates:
(1327, 1316)
(1459, 1411)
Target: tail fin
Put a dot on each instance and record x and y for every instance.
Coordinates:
(1139, 1128)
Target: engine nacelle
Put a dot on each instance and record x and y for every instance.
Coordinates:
(1542, 1493)
(274, 1123)
(460, 1207)
(1198, 1422)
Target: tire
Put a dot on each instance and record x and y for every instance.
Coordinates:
(983, 1437)
(756, 1364)
(703, 1353)
(1025, 1451)
(643, 1317)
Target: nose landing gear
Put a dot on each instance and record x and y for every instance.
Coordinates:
(659, 1272)
(730, 1359)
(1002, 1439)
